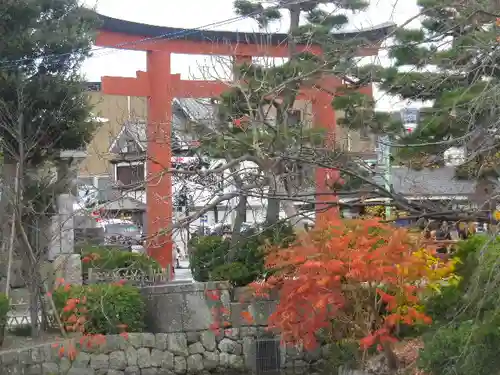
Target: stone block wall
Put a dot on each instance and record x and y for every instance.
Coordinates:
(180, 315)
(158, 354)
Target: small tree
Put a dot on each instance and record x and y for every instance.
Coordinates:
(43, 110)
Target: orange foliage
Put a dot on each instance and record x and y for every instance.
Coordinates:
(361, 274)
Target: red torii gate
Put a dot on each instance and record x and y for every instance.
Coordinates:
(161, 87)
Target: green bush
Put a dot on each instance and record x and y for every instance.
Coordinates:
(109, 258)
(465, 336)
(468, 348)
(206, 253)
(237, 273)
(4, 308)
(109, 306)
(209, 255)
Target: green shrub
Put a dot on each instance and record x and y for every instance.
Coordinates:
(206, 253)
(468, 348)
(109, 258)
(109, 307)
(237, 273)
(4, 308)
(209, 261)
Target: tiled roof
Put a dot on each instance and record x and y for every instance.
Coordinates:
(439, 181)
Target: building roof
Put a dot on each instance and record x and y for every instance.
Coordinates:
(373, 34)
(200, 111)
(437, 182)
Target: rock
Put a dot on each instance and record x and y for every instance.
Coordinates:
(161, 341)
(229, 346)
(80, 371)
(143, 358)
(64, 365)
(131, 355)
(299, 363)
(149, 371)
(148, 340)
(232, 333)
(248, 331)
(135, 339)
(180, 365)
(156, 358)
(195, 363)
(210, 360)
(50, 368)
(132, 370)
(207, 339)
(99, 361)
(82, 360)
(167, 361)
(115, 343)
(192, 337)
(177, 344)
(117, 360)
(35, 370)
(114, 372)
(196, 348)
(224, 359)
(236, 362)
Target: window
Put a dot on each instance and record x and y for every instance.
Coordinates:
(294, 117)
(130, 174)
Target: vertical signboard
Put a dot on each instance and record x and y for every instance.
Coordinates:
(410, 117)
(383, 151)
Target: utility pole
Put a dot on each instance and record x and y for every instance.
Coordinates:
(384, 160)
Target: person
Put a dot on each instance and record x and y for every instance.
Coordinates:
(175, 256)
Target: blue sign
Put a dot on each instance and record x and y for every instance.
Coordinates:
(204, 219)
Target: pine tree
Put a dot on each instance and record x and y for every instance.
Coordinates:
(43, 107)
(260, 106)
(451, 61)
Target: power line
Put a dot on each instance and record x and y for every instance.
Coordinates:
(166, 36)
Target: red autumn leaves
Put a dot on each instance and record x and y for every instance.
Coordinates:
(361, 273)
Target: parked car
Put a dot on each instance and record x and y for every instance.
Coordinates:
(123, 233)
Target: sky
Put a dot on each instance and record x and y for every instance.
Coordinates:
(198, 13)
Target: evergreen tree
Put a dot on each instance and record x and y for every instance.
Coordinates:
(43, 107)
(260, 106)
(451, 61)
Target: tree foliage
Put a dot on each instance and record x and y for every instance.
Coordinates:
(449, 61)
(356, 279)
(42, 104)
(256, 116)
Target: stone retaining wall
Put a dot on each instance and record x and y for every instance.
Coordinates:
(159, 354)
(180, 315)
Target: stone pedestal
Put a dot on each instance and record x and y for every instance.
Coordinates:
(69, 268)
(63, 237)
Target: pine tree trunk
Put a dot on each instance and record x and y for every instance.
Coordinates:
(236, 237)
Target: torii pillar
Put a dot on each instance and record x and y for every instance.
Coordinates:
(161, 87)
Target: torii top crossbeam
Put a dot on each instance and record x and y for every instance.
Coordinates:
(160, 87)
